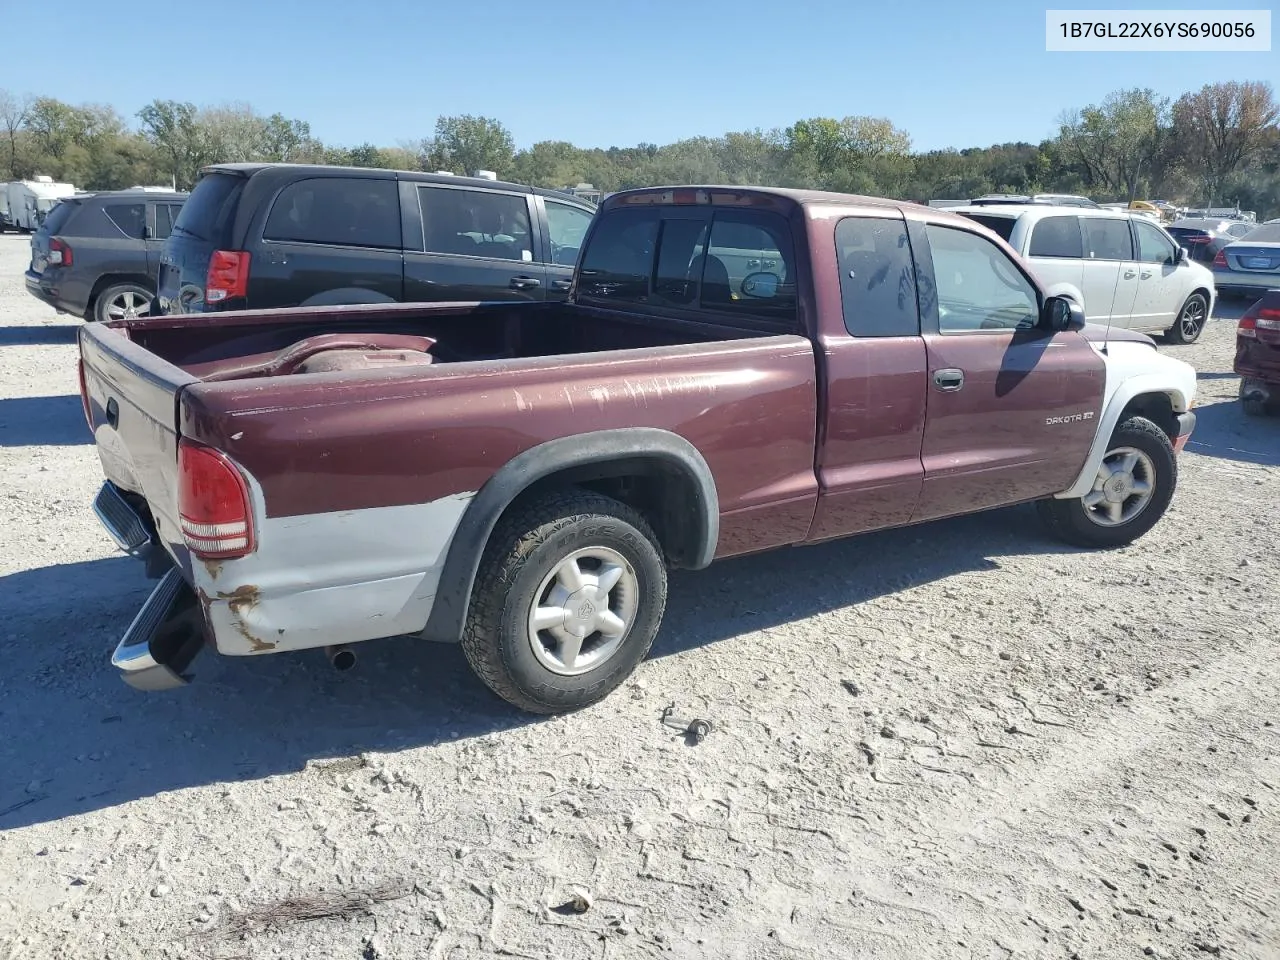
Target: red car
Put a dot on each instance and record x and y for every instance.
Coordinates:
(1258, 356)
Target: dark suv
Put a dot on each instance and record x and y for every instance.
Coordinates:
(97, 254)
(283, 235)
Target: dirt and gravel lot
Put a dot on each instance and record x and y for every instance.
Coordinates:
(957, 740)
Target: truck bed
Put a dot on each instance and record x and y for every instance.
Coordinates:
(237, 345)
(377, 465)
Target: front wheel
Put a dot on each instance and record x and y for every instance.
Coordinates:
(1131, 491)
(1191, 320)
(567, 601)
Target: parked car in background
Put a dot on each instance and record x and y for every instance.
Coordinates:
(28, 202)
(1258, 356)
(1249, 266)
(738, 369)
(287, 235)
(1204, 237)
(1119, 265)
(1016, 199)
(96, 255)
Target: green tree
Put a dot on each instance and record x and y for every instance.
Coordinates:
(466, 144)
(1120, 141)
(1222, 128)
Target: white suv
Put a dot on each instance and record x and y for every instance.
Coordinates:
(1122, 268)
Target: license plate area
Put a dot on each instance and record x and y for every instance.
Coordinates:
(1258, 263)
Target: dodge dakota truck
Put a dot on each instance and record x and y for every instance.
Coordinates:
(735, 370)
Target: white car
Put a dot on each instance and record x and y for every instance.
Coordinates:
(1120, 266)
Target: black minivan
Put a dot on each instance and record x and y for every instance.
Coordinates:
(256, 235)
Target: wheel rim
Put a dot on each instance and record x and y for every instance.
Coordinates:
(128, 305)
(1124, 487)
(1192, 319)
(583, 610)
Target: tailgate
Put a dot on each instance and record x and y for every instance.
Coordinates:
(132, 398)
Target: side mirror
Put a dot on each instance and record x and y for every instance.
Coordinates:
(760, 286)
(1062, 315)
(148, 233)
(1182, 256)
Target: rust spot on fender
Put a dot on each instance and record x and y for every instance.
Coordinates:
(240, 601)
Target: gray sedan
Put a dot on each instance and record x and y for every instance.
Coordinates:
(1250, 265)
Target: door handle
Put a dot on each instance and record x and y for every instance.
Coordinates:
(1128, 274)
(525, 283)
(561, 284)
(1146, 274)
(949, 379)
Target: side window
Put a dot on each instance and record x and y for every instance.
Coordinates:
(130, 218)
(877, 278)
(341, 211)
(1107, 238)
(567, 226)
(617, 263)
(978, 287)
(476, 223)
(1056, 237)
(164, 221)
(1153, 245)
(749, 267)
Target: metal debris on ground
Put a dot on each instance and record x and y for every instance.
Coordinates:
(695, 730)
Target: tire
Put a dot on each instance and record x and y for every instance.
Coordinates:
(1095, 525)
(120, 295)
(521, 571)
(1191, 320)
(1255, 407)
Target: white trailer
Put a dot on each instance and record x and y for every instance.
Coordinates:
(28, 202)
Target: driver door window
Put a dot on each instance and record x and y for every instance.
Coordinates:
(1153, 246)
(567, 226)
(978, 286)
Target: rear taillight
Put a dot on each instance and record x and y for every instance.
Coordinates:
(1221, 259)
(60, 253)
(84, 395)
(228, 275)
(213, 503)
(1256, 318)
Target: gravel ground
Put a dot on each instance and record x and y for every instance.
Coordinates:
(957, 740)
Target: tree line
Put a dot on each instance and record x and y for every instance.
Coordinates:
(1219, 145)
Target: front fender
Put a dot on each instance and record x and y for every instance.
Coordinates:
(1133, 370)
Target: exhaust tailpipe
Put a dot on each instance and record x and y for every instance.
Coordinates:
(342, 657)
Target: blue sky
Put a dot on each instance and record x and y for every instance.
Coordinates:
(609, 72)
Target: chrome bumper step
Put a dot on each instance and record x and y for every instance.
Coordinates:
(164, 637)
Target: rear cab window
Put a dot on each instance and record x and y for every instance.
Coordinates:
(208, 214)
(724, 262)
(337, 211)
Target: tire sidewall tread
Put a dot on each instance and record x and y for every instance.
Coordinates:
(523, 549)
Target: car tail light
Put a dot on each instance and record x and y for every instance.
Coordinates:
(213, 503)
(84, 395)
(1247, 327)
(60, 253)
(228, 275)
(1221, 259)
(1256, 318)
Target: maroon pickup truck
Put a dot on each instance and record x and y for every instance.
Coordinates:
(736, 370)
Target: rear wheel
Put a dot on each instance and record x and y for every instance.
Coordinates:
(123, 301)
(1131, 491)
(567, 601)
(1191, 320)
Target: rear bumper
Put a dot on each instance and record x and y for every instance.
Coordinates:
(1240, 282)
(44, 289)
(167, 632)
